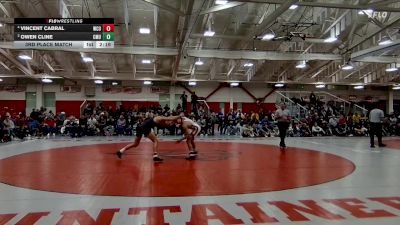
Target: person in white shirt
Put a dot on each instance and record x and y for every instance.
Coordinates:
(191, 129)
(317, 130)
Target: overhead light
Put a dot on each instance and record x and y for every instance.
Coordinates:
(279, 85)
(199, 63)
(301, 64)
(330, 39)
(234, 84)
(221, 2)
(268, 36)
(347, 66)
(192, 83)
(293, 7)
(1, 25)
(397, 87)
(114, 83)
(391, 67)
(144, 30)
(1, 80)
(47, 80)
(147, 82)
(87, 59)
(385, 40)
(25, 57)
(320, 85)
(358, 87)
(367, 11)
(209, 33)
(248, 65)
(146, 61)
(98, 82)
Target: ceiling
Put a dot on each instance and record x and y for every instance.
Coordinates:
(177, 41)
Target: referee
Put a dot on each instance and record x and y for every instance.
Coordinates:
(282, 115)
(375, 120)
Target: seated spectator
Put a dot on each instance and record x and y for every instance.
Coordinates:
(92, 125)
(51, 124)
(317, 130)
(305, 130)
(121, 125)
(360, 130)
(8, 126)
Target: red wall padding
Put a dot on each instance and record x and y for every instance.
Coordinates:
(214, 106)
(69, 107)
(72, 107)
(106, 104)
(131, 104)
(12, 106)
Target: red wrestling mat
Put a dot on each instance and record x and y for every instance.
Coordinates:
(221, 169)
(395, 143)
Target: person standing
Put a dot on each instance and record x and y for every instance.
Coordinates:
(282, 115)
(184, 101)
(376, 117)
(194, 103)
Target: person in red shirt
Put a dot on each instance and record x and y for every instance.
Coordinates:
(342, 121)
(51, 124)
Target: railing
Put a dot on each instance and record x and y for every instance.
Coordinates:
(344, 105)
(82, 107)
(356, 108)
(297, 111)
(207, 107)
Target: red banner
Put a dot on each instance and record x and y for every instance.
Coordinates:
(13, 88)
(71, 88)
(160, 90)
(132, 90)
(112, 90)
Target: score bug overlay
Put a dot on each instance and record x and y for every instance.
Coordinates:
(64, 32)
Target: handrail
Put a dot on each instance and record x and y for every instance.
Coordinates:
(81, 107)
(291, 100)
(332, 95)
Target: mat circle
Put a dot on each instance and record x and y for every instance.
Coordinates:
(222, 168)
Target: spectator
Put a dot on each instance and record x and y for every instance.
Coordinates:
(121, 125)
(184, 101)
(8, 126)
(317, 130)
(313, 99)
(194, 103)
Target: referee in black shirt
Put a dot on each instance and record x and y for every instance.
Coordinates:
(282, 115)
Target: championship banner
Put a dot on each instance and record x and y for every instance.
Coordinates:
(132, 90)
(352, 97)
(13, 88)
(71, 88)
(112, 90)
(160, 90)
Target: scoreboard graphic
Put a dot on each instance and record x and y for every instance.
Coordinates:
(64, 33)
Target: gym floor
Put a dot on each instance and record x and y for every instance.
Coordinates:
(315, 181)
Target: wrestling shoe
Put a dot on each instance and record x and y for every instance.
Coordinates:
(119, 154)
(192, 155)
(156, 158)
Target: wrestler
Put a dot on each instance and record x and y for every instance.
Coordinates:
(145, 128)
(191, 129)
